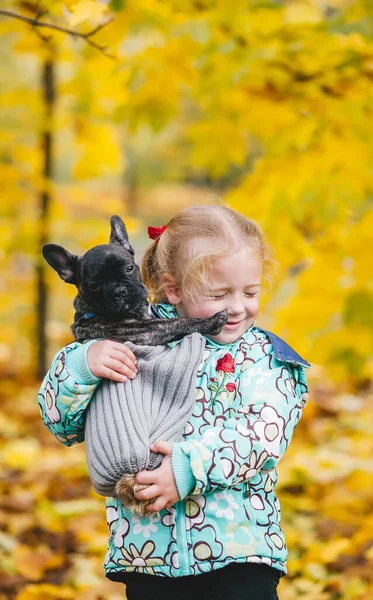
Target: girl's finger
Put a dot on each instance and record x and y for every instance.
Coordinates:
(162, 446)
(113, 375)
(146, 477)
(119, 367)
(124, 359)
(152, 491)
(121, 346)
(158, 504)
(124, 349)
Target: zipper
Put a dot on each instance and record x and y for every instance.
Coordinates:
(252, 522)
(181, 539)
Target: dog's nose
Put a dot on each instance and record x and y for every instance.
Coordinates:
(120, 292)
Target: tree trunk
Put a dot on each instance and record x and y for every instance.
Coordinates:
(130, 182)
(48, 90)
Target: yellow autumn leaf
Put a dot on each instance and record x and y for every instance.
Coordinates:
(355, 587)
(317, 571)
(85, 573)
(101, 152)
(33, 562)
(332, 549)
(20, 453)
(46, 591)
(76, 507)
(303, 11)
(86, 10)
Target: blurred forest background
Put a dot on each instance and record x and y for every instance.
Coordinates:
(142, 107)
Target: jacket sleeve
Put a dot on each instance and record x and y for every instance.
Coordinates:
(66, 392)
(253, 439)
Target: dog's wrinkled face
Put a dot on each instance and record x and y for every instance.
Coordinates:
(110, 281)
(107, 277)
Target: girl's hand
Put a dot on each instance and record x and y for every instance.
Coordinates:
(112, 360)
(161, 481)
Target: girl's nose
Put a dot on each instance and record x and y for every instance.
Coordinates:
(236, 306)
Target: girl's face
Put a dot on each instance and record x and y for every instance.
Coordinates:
(234, 284)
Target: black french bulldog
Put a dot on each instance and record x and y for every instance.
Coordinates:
(112, 300)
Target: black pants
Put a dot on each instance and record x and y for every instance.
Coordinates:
(239, 581)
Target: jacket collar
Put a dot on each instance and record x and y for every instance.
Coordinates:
(283, 351)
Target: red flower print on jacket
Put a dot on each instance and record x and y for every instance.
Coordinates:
(218, 386)
(225, 364)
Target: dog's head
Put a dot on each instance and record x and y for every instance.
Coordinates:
(107, 277)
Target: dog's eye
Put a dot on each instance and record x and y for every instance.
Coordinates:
(93, 287)
(130, 268)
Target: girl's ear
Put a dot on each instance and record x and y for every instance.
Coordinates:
(170, 289)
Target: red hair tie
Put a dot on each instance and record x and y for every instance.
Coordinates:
(155, 232)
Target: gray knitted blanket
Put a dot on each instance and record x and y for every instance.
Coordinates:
(123, 419)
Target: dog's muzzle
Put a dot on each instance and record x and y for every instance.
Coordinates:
(123, 297)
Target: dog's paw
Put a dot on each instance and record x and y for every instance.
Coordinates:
(217, 322)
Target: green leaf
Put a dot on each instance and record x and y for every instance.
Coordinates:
(213, 387)
(117, 5)
(358, 309)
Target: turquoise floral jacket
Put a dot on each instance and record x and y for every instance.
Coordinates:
(250, 396)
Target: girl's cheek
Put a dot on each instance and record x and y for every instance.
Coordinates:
(205, 312)
(255, 306)
(207, 309)
(213, 307)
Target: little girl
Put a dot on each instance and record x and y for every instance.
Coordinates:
(215, 530)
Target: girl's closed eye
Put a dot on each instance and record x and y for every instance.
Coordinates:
(216, 296)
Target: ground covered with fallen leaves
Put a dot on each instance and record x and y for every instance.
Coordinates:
(52, 524)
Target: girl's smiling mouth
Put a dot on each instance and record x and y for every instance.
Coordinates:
(233, 324)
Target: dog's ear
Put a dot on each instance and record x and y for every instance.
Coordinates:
(119, 233)
(61, 261)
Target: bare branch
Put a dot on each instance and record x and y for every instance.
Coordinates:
(37, 23)
(39, 14)
(44, 38)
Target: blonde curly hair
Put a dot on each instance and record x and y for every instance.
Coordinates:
(194, 238)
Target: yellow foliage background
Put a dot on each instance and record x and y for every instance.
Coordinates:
(268, 105)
